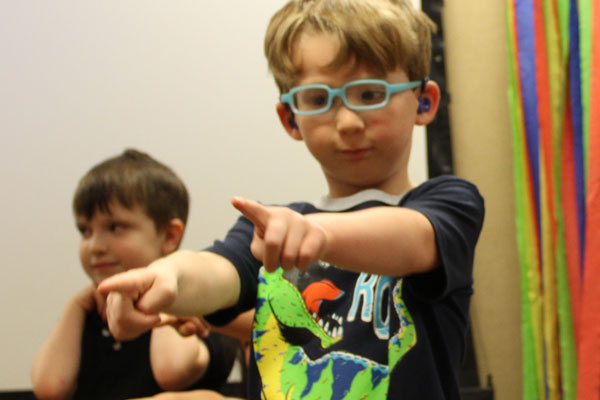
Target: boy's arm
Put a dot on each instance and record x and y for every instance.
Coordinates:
(184, 283)
(240, 328)
(177, 361)
(392, 241)
(56, 365)
(189, 395)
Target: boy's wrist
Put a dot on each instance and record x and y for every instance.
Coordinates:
(77, 306)
(84, 300)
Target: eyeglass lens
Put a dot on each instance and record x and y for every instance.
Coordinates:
(358, 95)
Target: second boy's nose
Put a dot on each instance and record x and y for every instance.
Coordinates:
(97, 243)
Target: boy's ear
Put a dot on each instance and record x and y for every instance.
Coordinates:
(286, 117)
(429, 98)
(173, 233)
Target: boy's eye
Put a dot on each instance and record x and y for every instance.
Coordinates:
(84, 230)
(311, 99)
(318, 100)
(116, 227)
(372, 95)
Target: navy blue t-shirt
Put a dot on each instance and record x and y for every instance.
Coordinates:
(113, 370)
(331, 333)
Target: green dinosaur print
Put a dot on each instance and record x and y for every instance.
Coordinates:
(287, 372)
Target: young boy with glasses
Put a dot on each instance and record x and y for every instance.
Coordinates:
(364, 293)
(130, 210)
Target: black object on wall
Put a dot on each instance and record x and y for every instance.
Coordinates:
(439, 146)
(439, 162)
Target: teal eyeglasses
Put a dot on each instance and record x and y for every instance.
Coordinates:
(363, 94)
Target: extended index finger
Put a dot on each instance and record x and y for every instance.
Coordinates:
(133, 282)
(254, 211)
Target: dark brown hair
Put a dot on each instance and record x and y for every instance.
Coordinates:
(133, 178)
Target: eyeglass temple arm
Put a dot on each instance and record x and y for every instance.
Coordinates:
(424, 82)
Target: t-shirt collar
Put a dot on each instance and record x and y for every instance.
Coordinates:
(327, 203)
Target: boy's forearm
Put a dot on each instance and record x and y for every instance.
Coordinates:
(56, 366)
(240, 328)
(204, 394)
(207, 282)
(177, 362)
(390, 241)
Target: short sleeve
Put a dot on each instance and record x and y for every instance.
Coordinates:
(455, 209)
(236, 248)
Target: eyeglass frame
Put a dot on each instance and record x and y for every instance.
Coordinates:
(390, 88)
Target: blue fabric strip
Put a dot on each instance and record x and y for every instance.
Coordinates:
(576, 106)
(527, 71)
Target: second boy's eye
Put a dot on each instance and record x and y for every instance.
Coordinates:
(116, 227)
(84, 230)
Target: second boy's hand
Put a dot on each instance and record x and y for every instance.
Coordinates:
(282, 237)
(133, 300)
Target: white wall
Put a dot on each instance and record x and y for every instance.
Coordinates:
(81, 80)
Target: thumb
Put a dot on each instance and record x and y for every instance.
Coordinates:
(100, 304)
(150, 290)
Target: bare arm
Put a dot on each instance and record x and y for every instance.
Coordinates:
(177, 361)
(391, 241)
(183, 283)
(207, 282)
(240, 328)
(56, 365)
(189, 395)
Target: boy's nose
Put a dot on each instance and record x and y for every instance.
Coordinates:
(97, 243)
(348, 121)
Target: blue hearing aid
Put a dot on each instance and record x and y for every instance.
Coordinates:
(424, 105)
(292, 122)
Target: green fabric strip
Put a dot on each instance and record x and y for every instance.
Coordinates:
(531, 347)
(559, 92)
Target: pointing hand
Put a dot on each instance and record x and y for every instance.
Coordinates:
(282, 237)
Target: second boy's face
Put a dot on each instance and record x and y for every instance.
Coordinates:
(117, 242)
(356, 149)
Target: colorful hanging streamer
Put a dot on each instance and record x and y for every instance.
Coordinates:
(554, 95)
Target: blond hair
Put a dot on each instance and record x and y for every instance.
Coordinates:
(382, 35)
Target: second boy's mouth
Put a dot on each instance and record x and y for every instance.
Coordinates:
(101, 265)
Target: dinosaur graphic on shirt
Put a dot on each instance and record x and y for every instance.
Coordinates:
(290, 328)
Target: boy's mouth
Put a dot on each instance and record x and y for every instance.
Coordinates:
(355, 153)
(105, 265)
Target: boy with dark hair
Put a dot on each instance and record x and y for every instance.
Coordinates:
(130, 210)
(364, 293)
